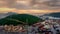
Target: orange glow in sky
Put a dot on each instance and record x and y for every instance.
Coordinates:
(4, 10)
(12, 5)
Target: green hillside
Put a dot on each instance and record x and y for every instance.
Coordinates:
(16, 19)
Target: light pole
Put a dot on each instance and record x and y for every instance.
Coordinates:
(27, 25)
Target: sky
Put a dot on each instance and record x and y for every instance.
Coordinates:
(30, 6)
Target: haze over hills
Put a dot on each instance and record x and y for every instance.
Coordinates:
(51, 16)
(57, 15)
(54, 14)
(3, 15)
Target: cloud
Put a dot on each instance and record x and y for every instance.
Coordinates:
(30, 4)
(38, 4)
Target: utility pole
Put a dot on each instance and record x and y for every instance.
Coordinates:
(27, 25)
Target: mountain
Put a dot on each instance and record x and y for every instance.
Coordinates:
(54, 14)
(51, 16)
(3, 15)
(16, 19)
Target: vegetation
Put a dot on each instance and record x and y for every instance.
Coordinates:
(16, 19)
